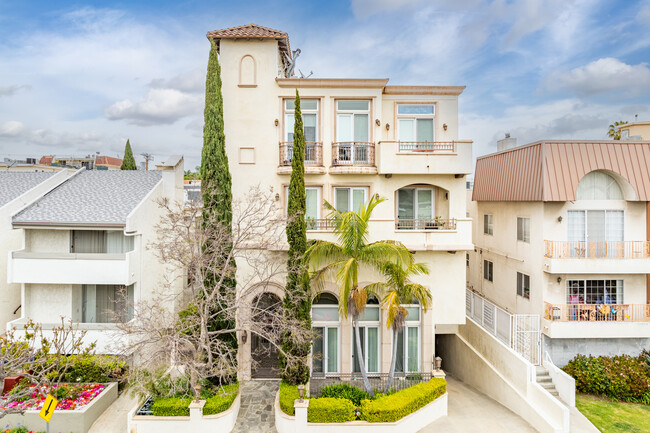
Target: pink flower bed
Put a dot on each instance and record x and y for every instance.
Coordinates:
(83, 394)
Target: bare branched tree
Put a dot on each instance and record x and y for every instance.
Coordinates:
(204, 257)
(39, 358)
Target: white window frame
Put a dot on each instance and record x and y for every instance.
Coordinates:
(411, 324)
(291, 111)
(488, 224)
(521, 278)
(318, 200)
(327, 324)
(523, 229)
(415, 201)
(363, 326)
(415, 118)
(350, 196)
(620, 296)
(352, 113)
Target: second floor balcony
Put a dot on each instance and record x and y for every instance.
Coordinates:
(617, 257)
(353, 157)
(313, 157)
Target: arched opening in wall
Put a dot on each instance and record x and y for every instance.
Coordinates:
(264, 355)
(247, 71)
(599, 185)
(422, 207)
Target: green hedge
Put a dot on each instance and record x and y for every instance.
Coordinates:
(288, 393)
(344, 390)
(222, 401)
(621, 377)
(92, 369)
(393, 407)
(326, 409)
(171, 406)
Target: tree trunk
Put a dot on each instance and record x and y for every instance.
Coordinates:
(360, 360)
(393, 360)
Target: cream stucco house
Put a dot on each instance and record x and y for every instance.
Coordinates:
(364, 137)
(562, 231)
(82, 245)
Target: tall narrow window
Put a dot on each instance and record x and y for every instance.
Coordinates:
(523, 285)
(415, 126)
(369, 338)
(309, 110)
(312, 210)
(488, 270)
(352, 132)
(350, 198)
(487, 224)
(408, 342)
(326, 325)
(523, 229)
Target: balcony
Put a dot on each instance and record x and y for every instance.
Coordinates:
(72, 268)
(319, 224)
(580, 257)
(353, 157)
(425, 224)
(596, 320)
(425, 157)
(313, 157)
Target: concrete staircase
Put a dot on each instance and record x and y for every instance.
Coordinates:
(545, 381)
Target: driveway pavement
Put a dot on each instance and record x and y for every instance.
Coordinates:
(470, 411)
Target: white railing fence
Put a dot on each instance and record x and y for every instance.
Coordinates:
(520, 332)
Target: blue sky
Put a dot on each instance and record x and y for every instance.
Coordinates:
(80, 77)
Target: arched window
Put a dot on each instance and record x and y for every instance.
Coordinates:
(599, 185)
(247, 71)
(325, 325)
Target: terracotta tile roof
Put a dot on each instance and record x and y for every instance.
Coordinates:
(108, 160)
(46, 160)
(551, 170)
(252, 31)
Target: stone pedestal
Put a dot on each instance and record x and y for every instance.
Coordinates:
(301, 415)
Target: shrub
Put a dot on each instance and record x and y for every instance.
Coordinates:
(221, 401)
(620, 377)
(344, 390)
(288, 393)
(326, 409)
(393, 407)
(171, 406)
(93, 369)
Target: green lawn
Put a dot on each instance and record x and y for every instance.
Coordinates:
(614, 417)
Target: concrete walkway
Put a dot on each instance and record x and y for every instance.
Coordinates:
(114, 419)
(471, 411)
(257, 414)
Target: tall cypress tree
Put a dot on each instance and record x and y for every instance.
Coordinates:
(297, 299)
(216, 185)
(128, 163)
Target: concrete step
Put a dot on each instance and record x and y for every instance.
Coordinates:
(547, 385)
(541, 379)
(541, 370)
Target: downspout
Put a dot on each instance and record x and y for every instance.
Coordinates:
(647, 233)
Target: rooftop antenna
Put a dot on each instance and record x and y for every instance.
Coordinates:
(291, 62)
(147, 157)
(303, 75)
(636, 117)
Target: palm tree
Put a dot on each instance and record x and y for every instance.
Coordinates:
(343, 260)
(614, 133)
(399, 290)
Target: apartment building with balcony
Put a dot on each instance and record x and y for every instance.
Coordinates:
(562, 231)
(364, 137)
(83, 250)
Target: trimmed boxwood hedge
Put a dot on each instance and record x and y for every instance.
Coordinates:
(393, 407)
(288, 394)
(176, 406)
(327, 409)
(171, 406)
(221, 402)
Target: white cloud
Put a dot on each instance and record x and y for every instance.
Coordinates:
(159, 106)
(602, 76)
(12, 128)
(13, 89)
(190, 82)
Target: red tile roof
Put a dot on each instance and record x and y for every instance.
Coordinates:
(551, 170)
(252, 31)
(46, 160)
(108, 160)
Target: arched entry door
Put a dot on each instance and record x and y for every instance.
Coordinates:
(265, 356)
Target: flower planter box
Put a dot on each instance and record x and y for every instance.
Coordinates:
(222, 422)
(409, 424)
(68, 421)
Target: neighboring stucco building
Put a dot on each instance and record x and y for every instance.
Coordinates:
(363, 137)
(635, 131)
(562, 230)
(17, 190)
(84, 251)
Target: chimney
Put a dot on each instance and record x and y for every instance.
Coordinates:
(506, 143)
(172, 176)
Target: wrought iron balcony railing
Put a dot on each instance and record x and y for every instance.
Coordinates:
(313, 153)
(353, 154)
(425, 224)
